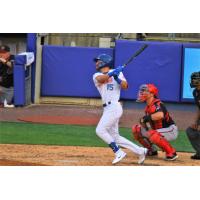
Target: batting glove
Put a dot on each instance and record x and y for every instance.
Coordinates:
(120, 68)
(116, 71)
(117, 79)
(113, 73)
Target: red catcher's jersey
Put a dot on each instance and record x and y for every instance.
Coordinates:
(158, 106)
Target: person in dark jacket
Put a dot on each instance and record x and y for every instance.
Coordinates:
(193, 132)
(6, 75)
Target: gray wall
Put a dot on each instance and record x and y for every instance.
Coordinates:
(17, 45)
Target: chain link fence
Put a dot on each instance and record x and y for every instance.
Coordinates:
(87, 39)
(108, 39)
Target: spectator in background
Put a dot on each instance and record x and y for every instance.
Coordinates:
(172, 36)
(141, 36)
(193, 132)
(6, 76)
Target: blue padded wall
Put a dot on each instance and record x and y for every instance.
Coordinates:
(31, 47)
(19, 85)
(160, 64)
(68, 71)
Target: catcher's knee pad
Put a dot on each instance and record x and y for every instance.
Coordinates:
(160, 141)
(140, 138)
(136, 130)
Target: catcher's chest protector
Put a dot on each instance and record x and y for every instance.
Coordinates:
(157, 106)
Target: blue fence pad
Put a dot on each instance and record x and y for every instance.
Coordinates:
(159, 63)
(20, 59)
(31, 47)
(19, 85)
(68, 71)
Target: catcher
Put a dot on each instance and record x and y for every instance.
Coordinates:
(156, 127)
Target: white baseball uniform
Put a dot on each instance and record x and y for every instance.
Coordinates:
(107, 128)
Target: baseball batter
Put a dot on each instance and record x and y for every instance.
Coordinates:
(109, 83)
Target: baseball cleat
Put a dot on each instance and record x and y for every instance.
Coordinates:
(195, 156)
(119, 156)
(172, 157)
(9, 106)
(142, 157)
(152, 153)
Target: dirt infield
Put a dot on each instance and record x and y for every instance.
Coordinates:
(41, 155)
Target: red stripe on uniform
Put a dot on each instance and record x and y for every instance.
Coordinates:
(168, 131)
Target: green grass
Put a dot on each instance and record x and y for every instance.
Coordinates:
(67, 135)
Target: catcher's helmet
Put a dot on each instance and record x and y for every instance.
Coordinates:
(195, 79)
(144, 90)
(103, 60)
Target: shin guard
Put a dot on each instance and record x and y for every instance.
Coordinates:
(160, 141)
(136, 130)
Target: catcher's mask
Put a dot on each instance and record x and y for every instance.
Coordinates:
(103, 60)
(145, 90)
(195, 79)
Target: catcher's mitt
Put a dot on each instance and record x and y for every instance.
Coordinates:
(145, 122)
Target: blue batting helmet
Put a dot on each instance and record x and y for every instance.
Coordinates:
(104, 60)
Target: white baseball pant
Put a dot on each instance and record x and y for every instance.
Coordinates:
(108, 129)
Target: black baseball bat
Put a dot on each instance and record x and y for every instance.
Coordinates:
(138, 52)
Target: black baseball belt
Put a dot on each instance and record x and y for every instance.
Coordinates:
(108, 103)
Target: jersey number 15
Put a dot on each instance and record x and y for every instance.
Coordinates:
(110, 86)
